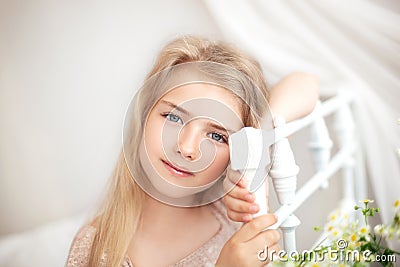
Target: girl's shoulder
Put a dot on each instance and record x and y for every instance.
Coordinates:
(80, 248)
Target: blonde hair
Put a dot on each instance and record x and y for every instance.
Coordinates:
(119, 215)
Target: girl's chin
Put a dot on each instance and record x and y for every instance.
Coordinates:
(175, 190)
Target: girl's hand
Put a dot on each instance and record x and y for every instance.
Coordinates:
(249, 244)
(239, 201)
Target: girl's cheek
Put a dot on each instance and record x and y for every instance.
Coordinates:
(222, 159)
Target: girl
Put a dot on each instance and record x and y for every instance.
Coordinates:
(162, 206)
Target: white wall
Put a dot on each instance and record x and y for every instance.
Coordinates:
(68, 70)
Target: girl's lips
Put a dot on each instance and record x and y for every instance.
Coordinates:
(176, 171)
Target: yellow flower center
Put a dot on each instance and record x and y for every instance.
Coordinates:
(335, 233)
(353, 237)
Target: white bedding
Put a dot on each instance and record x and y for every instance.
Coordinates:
(45, 246)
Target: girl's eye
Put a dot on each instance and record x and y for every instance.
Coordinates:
(218, 137)
(173, 118)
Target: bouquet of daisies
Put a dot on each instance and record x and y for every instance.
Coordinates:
(350, 242)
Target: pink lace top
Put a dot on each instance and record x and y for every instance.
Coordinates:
(205, 256)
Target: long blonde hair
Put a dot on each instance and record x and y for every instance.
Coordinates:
(119, 215)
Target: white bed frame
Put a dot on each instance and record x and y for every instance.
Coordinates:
(284, 169)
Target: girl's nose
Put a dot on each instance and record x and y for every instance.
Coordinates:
(189, 142)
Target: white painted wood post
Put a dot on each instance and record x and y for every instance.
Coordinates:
(344, 126)
(288, 228)
(284, 178)
(320, 143)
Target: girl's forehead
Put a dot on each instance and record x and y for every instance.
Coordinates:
(196, 91)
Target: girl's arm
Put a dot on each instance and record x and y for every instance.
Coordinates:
(292, 98)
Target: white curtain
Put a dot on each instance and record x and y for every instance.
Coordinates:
(353, 45)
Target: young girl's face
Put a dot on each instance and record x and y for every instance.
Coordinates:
(186, 138)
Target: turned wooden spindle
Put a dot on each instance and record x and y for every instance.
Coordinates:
(284, 178)
(320, 144)
(345, 128)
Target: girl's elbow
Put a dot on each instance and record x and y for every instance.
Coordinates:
(312, 90)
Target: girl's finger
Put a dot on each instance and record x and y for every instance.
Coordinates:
(267, 244)
(268, 238)
(272, 252)
(239, 193)
(238, 205)
(254, 227)
(239, 216)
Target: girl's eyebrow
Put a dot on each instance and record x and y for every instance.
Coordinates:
(184, 111)
(219, 127)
